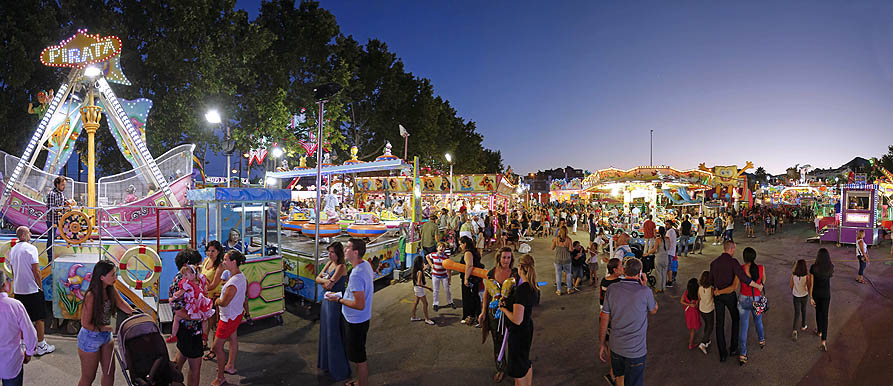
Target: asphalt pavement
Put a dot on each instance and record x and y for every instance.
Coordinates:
(565, 345)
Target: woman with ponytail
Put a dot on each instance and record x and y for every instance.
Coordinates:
(749, 296)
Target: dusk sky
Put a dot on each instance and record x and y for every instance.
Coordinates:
(581, 83)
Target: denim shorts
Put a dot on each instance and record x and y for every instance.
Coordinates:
(92, 341)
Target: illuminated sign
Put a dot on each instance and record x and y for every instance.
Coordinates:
(861, 218)
(80, 50)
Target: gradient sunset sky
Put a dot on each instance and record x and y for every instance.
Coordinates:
(581, 83)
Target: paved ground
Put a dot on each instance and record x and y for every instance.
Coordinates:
(565, 348)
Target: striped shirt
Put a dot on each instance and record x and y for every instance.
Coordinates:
(55, 203)
(437, 270)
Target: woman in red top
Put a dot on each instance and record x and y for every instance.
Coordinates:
(747, 300)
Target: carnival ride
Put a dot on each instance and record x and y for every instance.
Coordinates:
(390, 245)
(114, 218)
(657, 188)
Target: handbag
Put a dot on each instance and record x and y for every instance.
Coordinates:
(761, 306)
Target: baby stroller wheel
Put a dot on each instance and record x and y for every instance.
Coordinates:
(651, 280)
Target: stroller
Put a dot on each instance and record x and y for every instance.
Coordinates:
(142, 353)
(647, 262)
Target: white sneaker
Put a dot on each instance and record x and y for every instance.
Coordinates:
(44, 348)
(703, 348)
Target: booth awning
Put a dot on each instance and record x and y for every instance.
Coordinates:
(239, 194)
(363, 167)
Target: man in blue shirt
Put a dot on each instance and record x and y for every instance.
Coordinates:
(357, 310)
(626, 307)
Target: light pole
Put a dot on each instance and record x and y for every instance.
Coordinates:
(213, 117)
(449, 159)
(651, 150)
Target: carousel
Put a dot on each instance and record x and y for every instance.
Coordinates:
(388, 237)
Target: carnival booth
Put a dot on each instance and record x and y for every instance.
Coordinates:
(391, 243)
(134, 219)
(247, 218)
(478, 192)
(859, 210)
(562, 190)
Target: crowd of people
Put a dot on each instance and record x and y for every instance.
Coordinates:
(208, 295)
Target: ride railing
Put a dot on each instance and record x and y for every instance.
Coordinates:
(36, 183)
(133, 184)
(99, 232)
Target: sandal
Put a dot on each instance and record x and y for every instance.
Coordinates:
(762, 344)
(498, 377)
(742, 360)
(210, 356)
(352, 382)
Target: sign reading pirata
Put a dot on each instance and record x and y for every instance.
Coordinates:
(80, 50)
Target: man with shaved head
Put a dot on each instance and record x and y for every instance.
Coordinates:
(26, 284)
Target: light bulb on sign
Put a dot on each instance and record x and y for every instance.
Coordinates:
(277, 152)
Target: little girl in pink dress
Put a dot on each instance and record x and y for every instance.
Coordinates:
(196, 304)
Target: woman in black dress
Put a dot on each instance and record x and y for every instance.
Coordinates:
(820, 293)
(502, 270)
(520, 325)
(471, 302)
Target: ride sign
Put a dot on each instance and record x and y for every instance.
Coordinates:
(80, 50)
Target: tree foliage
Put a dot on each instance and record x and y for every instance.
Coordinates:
(195, 55)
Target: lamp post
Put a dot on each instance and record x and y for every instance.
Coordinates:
(449, 159)
(213, 117)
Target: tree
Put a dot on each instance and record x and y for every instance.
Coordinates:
(191, 57)
(760, 174)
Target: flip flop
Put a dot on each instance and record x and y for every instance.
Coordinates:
(352, 382)
(210, 356)
(230, 372)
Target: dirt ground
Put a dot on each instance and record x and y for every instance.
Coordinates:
(565, 345)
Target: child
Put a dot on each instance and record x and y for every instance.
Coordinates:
(692, 318)
(593, 263)
(706, 308)
(197, 305)
(418, 286)
(440, 277)
(578, 259)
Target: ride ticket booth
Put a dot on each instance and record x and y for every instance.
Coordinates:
(248, 219)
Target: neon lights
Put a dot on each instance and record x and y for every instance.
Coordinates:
(80, 50)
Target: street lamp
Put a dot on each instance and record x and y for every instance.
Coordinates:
(92, 71)
(213, 117)
(449, 159)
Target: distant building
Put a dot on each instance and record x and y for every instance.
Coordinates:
(858, 165)
(539, 182)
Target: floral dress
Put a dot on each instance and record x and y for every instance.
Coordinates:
(196, 303)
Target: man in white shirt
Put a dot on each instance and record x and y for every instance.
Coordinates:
(15, 327)
(26, 284)
(357, 310)
(672, 236)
